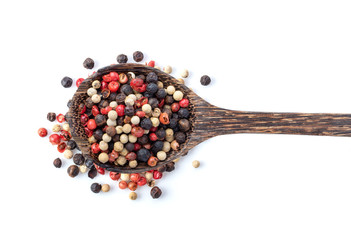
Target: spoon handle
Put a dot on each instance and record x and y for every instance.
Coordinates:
(222, 121)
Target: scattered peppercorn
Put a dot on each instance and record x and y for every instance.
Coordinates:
(88, 63)
(73, 171)
(133, 195)
(95, 187)
(205, 80)
(71, 144)
(196, 163)
(105, 188)
(122, 58)
(78, 159)
(66, 82)
(155, 192)
(51, 116)
(138, 56)
(57, 163)
(92, 172)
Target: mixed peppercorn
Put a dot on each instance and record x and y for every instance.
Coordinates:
(129, 119)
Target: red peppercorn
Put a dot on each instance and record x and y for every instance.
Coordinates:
(103, 85)
(91, 124)
(175, 107)
(100, 169)
(142, 88)
(134, 177)
(160, 105)
(132, 186)
(88, 132)
(115, 176)
(136, 83)
(60, 118)
(79, 81)
(113, 156)
(157, 175)
(95, 148)
(113, 86)
(164, 118)
(120, 110)
(65, 136)
(142, 101)
(153, 137)
(140, 114)
(54, 139)
(122, 184)
(137, 131)
(152, 161)
(131, 156)
(153, 129)
(84, 119)
(83, 109)
(114, 76)
(95, 110)
(61, 147)
(42, 132)
(147, 146)
(151, 63)
(184, 103)
(142, 181)
(137, 146)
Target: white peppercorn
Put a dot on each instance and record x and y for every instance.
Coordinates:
(135, 120)
(96, 84)
(131, 75)
(132, 96)
(91, 139)
(196, 163)
(169, 132)
(91, 92)
(178, 95)
(133, 164)
(127, 128)
(95, 98)
(159, 84)
(121, 160)
(129, 101)
(105, 188)
(103, 145)
(124, 152)
(146, 108)
(169, 138)
(146, 131)
(106, 138)
(65, 127)
(123, 138)
(156, 113)
(119, 129)
(112, 115)
(170, 90)
(180, 80)
(132, 138)
(184, 73)
(56, 128)
(133, 196)
(113, 104)
(125, 176)
(148, 176)
(110, 122)
(103, 157)
(166, 146)
(83, 168)
(155, 121)
(167, 69)
(68, 154)
(118, 146)
(138, 96)
(161, 155)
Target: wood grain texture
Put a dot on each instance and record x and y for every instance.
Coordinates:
(209, 121)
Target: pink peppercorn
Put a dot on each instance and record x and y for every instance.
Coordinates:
(184, 103)
(157, 175)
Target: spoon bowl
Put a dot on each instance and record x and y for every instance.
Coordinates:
(207, 120)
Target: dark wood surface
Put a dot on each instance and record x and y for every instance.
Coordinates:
(209, 121)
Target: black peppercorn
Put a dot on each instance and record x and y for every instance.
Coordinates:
(121, 96)
(143, 155)
(105, 93)
(148, 95)
(146, 124)
(111, 131)
(69, 103)
(161, 133)
(89, 103)
(141, 76)
(129, 146)
(205, 80)
(112, 97)
(151, 88)
(158, 146)
(95, 187)
(170, 167)
(71, 144)
(151, 77)
(57, 163)
(169, 99)
(175, 115)
(155, 192)
(92, 172)
(173, 123)
(103, 103)
(122, 58)
(110, 146)
(169, 112)
(161, 168)
(66, 82)
(88, 112)
(143, 139)
(78, 159)
(89, 163)
(51, 116)
(98, 134)
(73, 171)
(161, 93)
(115, 138)
(100, 120)
(88, 63)
(120, 121)
(184, 125)
(138, 56)
(129, 111)
(153, 102)
(180, 137)
(183, 113)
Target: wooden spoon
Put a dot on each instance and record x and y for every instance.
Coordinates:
(209, 121)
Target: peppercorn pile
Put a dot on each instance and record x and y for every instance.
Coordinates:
(129, 120)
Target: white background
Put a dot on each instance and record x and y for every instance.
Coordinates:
(262, 55)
